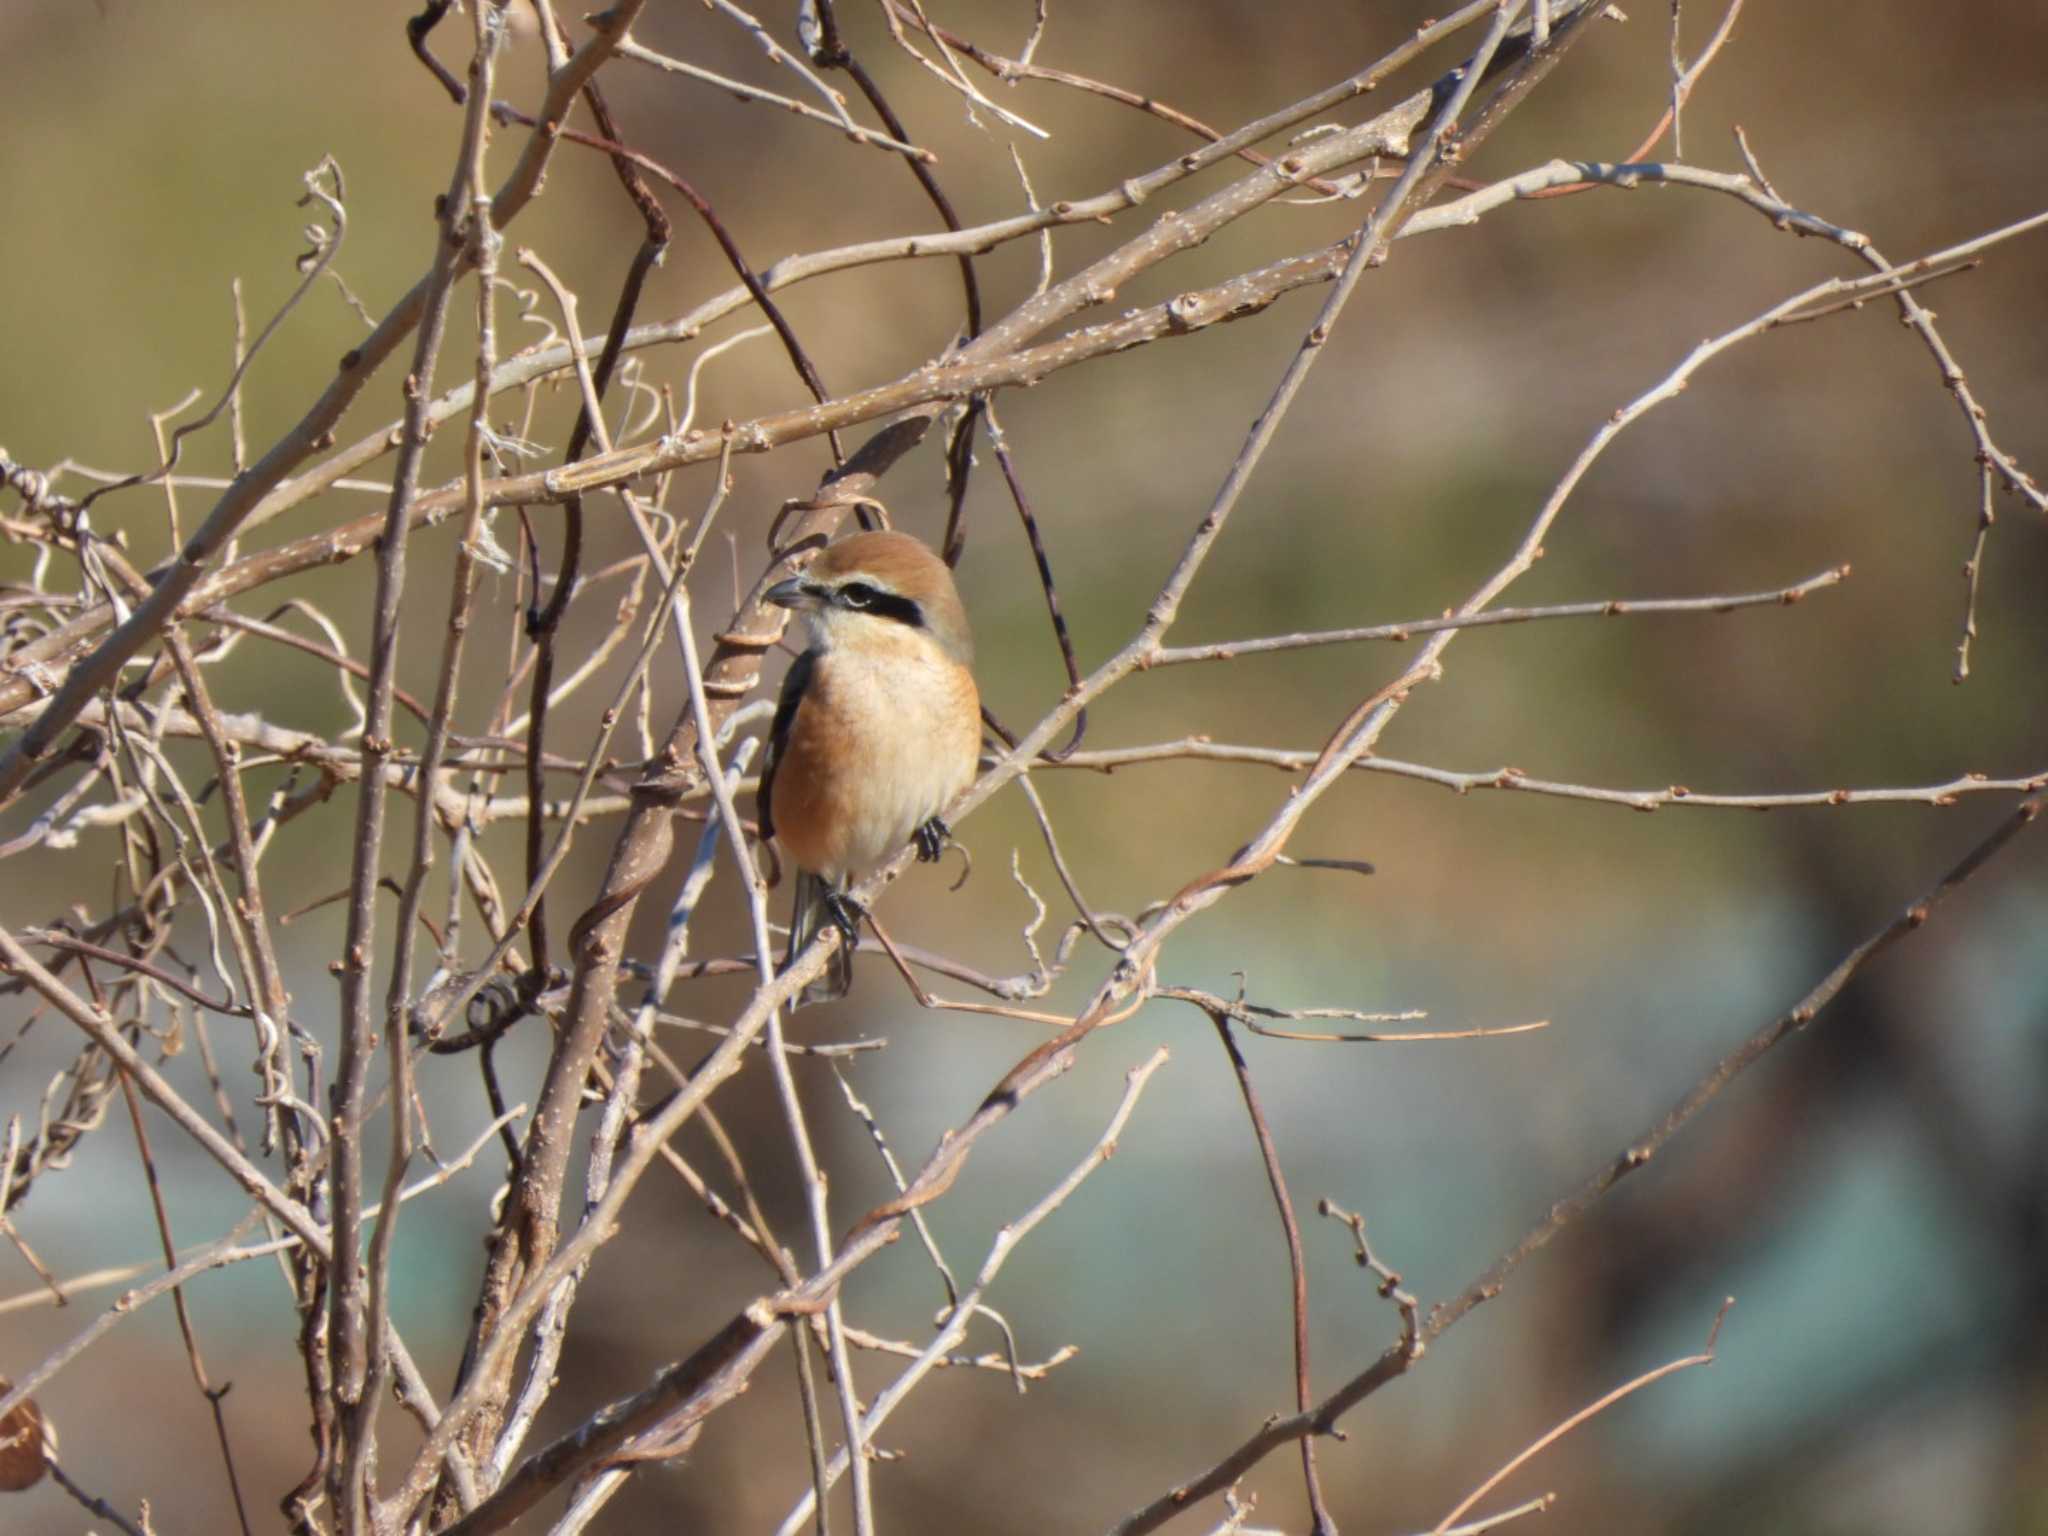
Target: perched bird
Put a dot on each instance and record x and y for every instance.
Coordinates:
(877, 728)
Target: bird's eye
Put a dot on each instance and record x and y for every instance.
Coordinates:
(858, 594)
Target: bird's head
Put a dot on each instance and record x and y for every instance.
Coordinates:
(875, 579)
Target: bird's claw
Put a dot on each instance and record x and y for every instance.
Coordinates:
(846, 915)
(931, 839)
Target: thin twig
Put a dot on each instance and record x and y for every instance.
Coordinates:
(1592, 1410)
(1297, 1267)
(954, 1326)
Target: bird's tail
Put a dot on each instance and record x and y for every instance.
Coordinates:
(809, 913)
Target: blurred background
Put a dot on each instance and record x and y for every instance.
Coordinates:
(1875, 1195)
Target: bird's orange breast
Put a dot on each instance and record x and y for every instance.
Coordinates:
(884, 736)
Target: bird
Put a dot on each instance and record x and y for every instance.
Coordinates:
(877, 728)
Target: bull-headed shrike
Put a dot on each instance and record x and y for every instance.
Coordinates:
(877, 728)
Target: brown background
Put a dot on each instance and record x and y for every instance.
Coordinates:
(1874, 1197)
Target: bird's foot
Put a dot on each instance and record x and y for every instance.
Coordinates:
(931, 839)
(846, 915)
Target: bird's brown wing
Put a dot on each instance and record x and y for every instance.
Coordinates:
(794, 683)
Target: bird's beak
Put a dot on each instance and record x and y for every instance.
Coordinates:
(793, 593)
